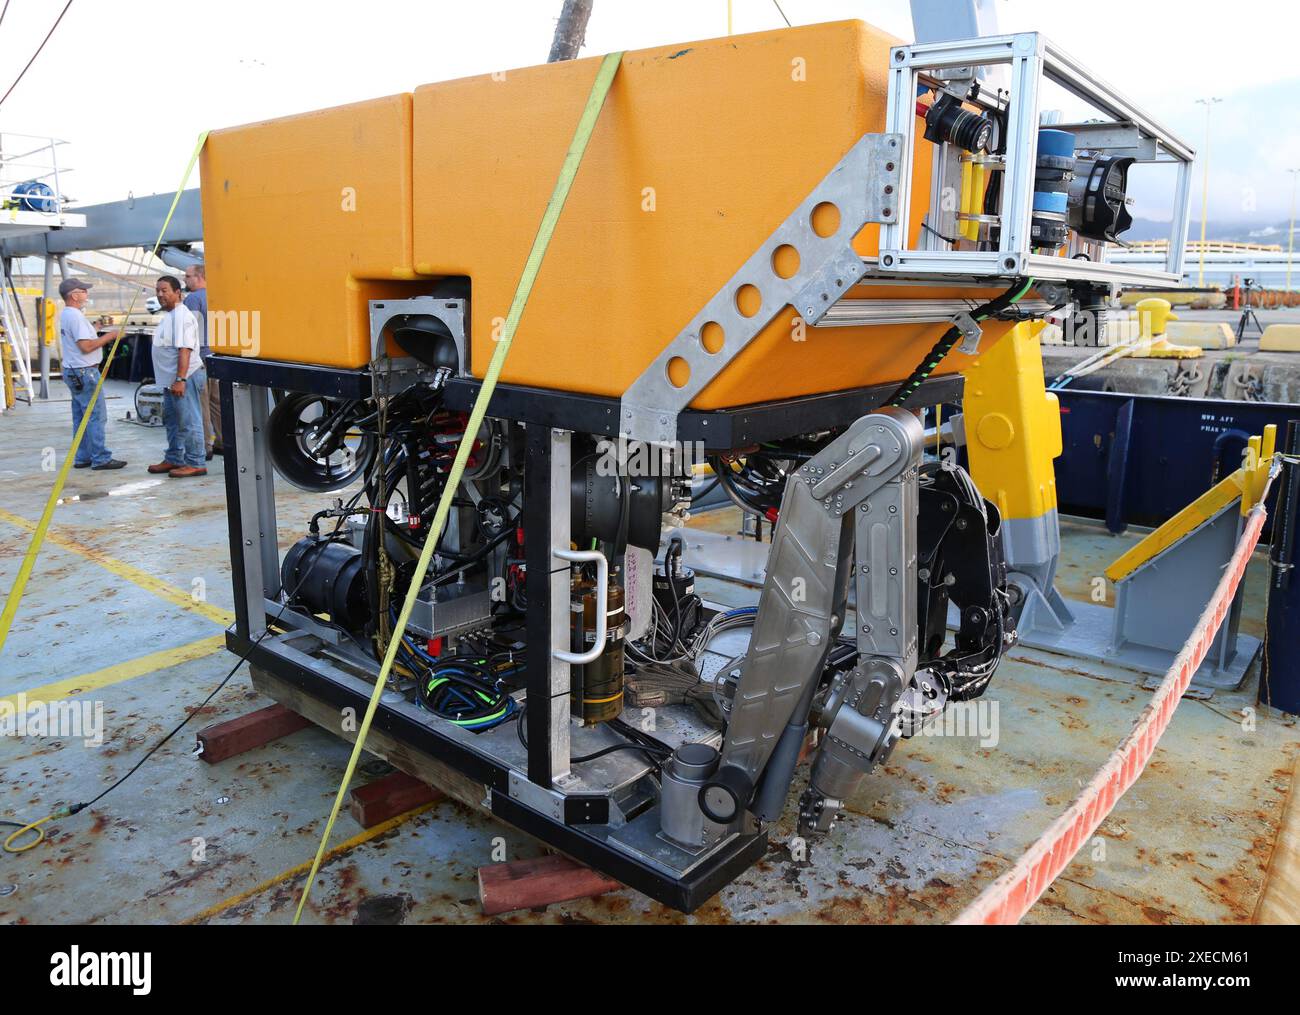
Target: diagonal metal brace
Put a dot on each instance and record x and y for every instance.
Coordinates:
(863, 187)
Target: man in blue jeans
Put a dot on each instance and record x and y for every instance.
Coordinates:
(178, 370)
(83, 351)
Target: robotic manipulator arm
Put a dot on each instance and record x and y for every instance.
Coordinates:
(912, 537)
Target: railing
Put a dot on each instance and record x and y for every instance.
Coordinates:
(32, 159)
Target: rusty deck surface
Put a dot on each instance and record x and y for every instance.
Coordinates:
(186, 841)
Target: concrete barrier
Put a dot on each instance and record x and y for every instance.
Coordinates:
(1201, 333)
(1280, 338)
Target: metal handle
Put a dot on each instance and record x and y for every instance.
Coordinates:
(602, 604)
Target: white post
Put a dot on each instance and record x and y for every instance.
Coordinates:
(1209, 104)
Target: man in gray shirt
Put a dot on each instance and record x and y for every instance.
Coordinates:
(83, 351)
(196, 301)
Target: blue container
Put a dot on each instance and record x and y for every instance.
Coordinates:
(35, 196)
(1057, 144)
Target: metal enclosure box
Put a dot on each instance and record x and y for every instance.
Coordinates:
(305, 220)
(701, 151)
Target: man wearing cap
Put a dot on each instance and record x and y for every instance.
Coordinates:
(178, 370)
(83, 351)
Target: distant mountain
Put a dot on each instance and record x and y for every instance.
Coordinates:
(1231, 232)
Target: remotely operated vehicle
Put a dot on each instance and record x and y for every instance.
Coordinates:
(776, 248)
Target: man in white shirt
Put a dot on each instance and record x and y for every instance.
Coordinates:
(178, 370)
(83, 351)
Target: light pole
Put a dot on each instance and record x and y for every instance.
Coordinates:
(1290, 236)
(1209, 104)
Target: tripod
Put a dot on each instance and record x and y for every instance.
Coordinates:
(1248, 318)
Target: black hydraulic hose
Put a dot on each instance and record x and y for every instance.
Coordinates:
(1286, 514)
(951, 337)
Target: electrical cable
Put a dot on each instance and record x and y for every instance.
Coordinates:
(950, 338)
(935, 232)
(34, 828)
(42, 527)
(37, 53)
(440, 680)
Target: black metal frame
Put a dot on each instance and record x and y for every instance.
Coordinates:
(717, 429)
(721, 429)
(568, 835)
(686, 894)
(234, 512)
(537, 588)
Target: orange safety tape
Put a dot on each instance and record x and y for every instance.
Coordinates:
(1010, 897)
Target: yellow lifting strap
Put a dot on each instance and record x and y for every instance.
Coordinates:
(568, 172)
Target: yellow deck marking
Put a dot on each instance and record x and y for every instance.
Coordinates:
(129, 670)
(343, 847)
(135, 575)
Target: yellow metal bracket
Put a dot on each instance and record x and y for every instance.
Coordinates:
(1246, 484)
(1013, 425)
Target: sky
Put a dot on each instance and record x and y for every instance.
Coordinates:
(130, 84)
